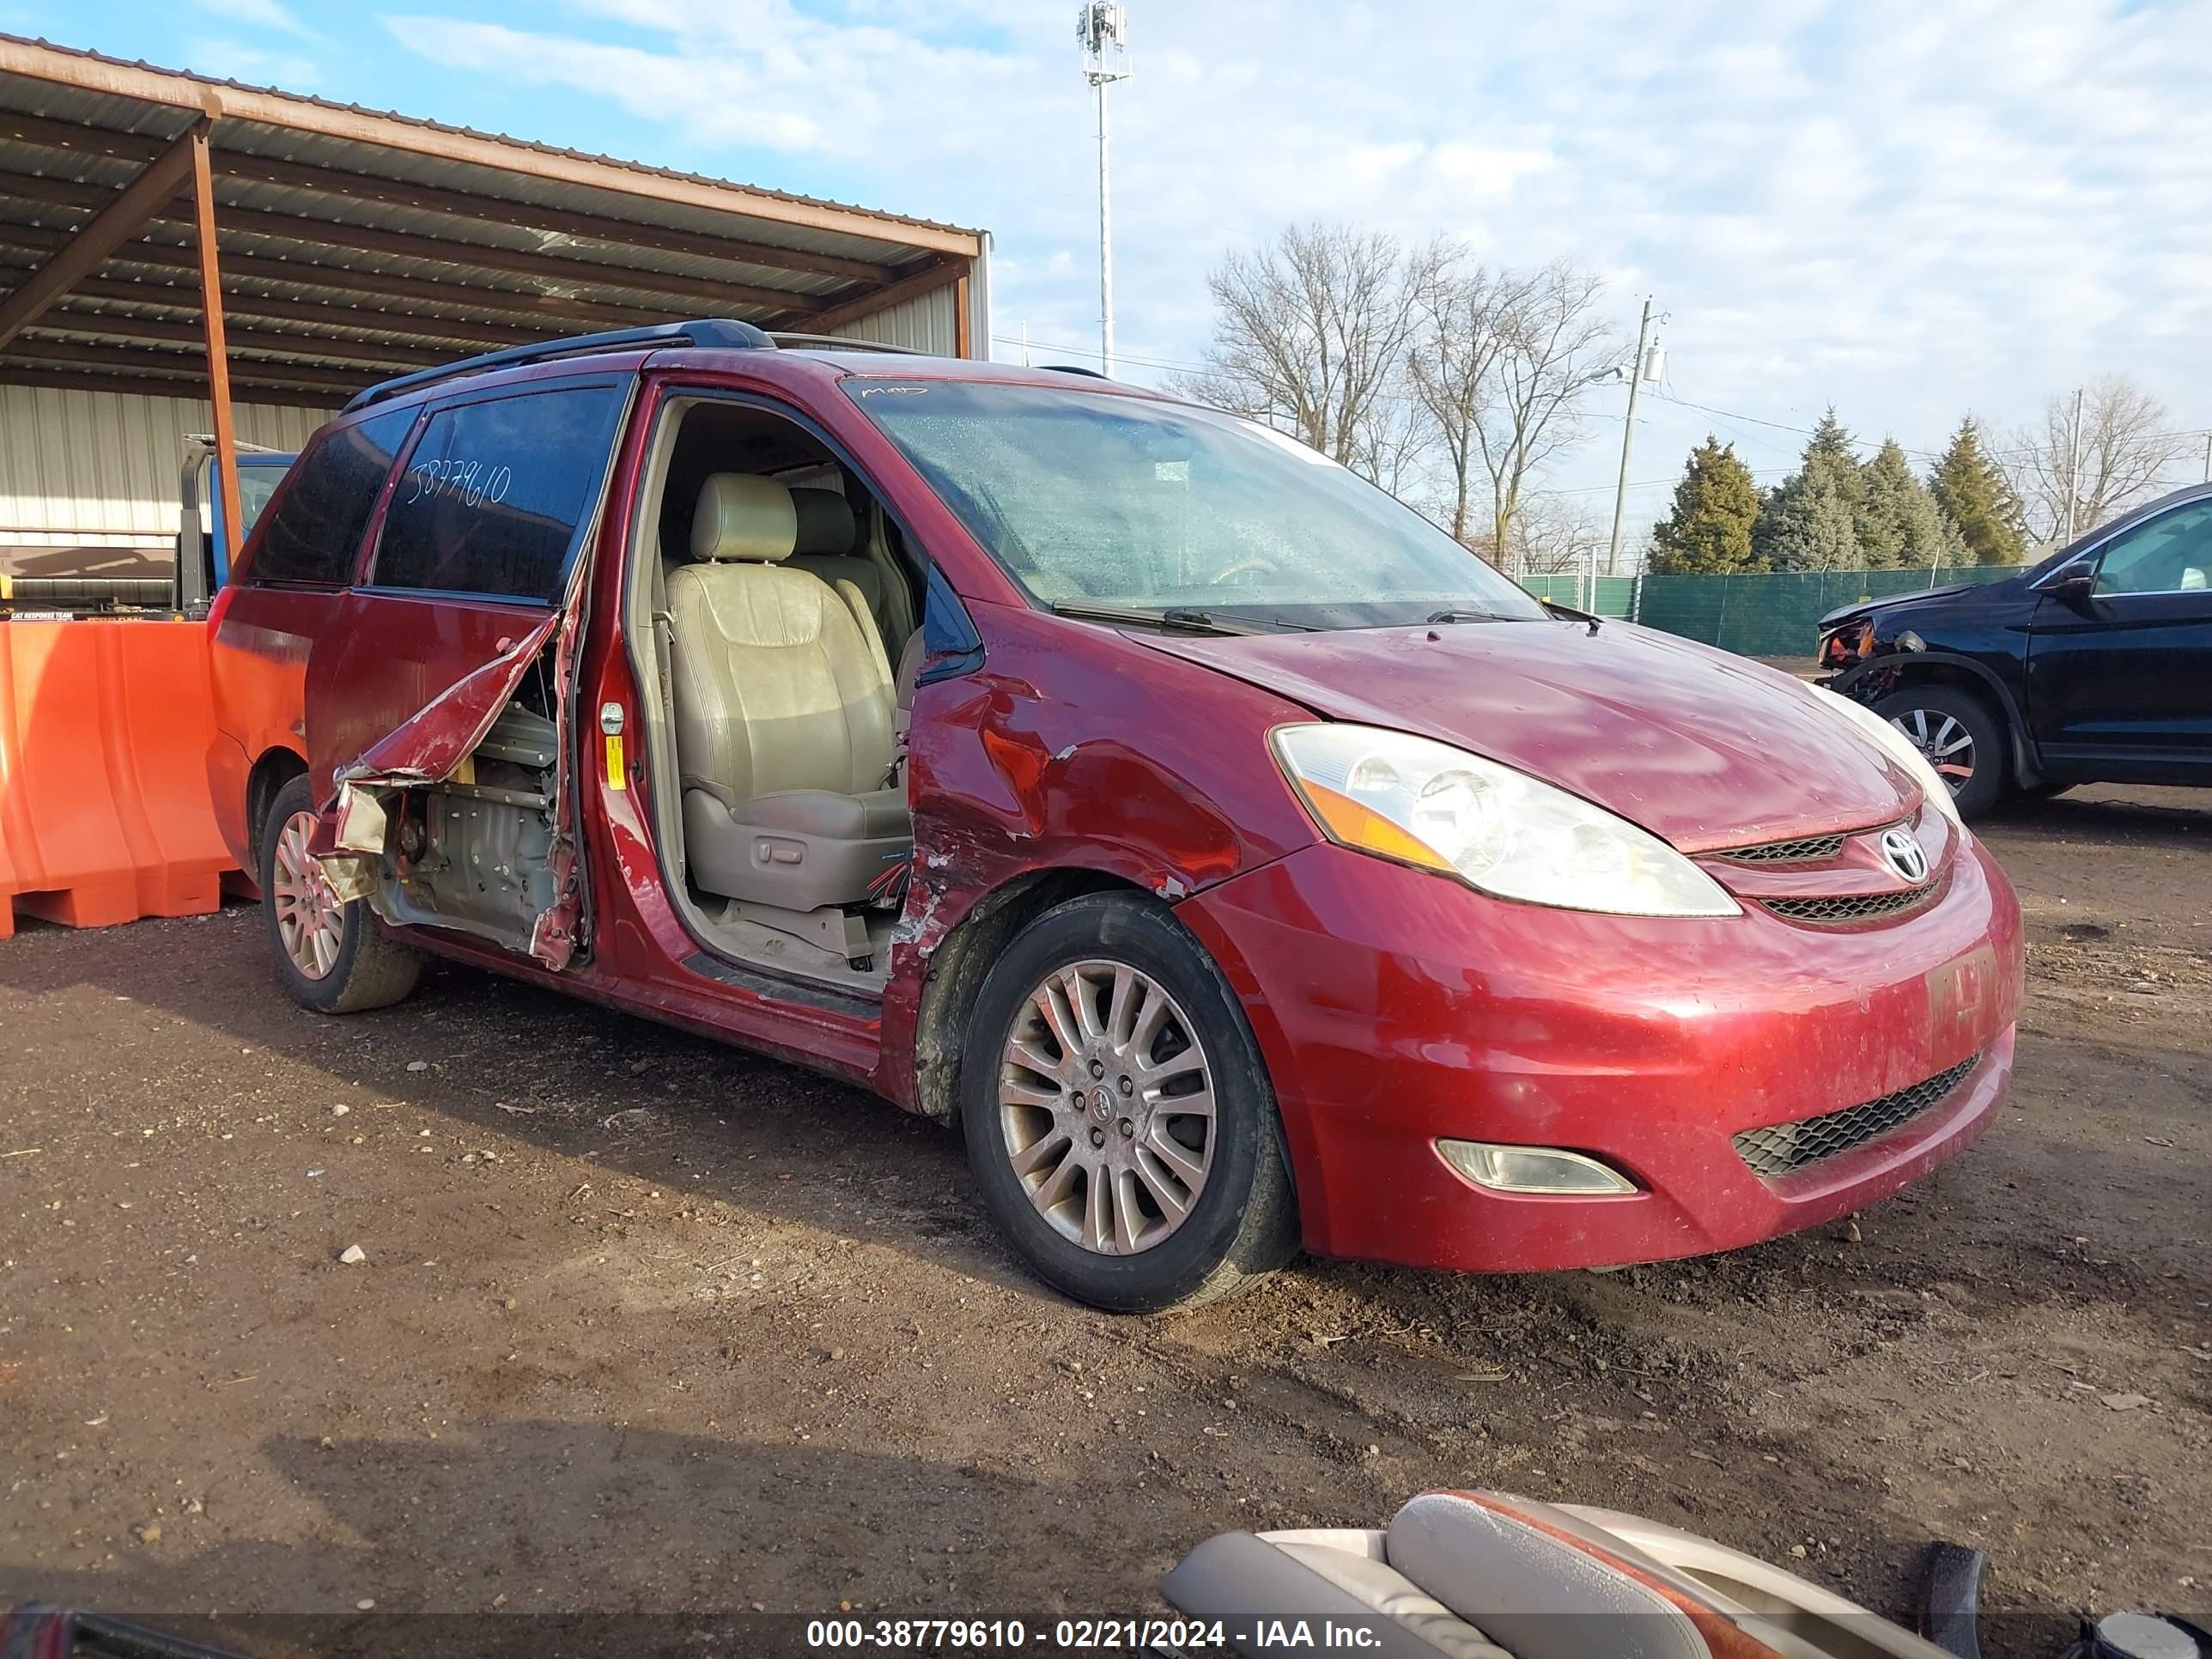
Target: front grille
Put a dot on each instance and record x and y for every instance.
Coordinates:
(1807, 849)
(1845, 911)
(1785, 1147)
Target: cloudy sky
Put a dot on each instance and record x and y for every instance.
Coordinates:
(1906, 207)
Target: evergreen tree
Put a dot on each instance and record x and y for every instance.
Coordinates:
(1974, 495)
(1805, 524)
(1716, 504)
(1898, 522)
(1831, 451)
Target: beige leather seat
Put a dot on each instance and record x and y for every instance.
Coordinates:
(829, 531)
(783, 713)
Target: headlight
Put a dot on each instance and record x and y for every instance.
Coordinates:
(1849, 645)
(1899, 748)
(1439, 808)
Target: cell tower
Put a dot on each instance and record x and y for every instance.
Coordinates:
(1101, 28)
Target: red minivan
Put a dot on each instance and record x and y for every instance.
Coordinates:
(1243, 862)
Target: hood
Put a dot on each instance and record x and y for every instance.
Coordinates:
(1703, 749)
(1910, 597)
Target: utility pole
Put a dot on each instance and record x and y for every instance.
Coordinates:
(2073, 467)
(2208, 458)
(1628, 441)
(1101, 28)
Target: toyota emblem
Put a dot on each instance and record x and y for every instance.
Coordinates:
(1903, 853)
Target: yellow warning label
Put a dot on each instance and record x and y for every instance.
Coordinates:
(614, 779)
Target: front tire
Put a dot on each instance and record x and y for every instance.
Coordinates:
(1118, 1116)
(329, 955)
(1961, 737)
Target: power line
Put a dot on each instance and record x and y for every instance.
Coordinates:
(1120, 356)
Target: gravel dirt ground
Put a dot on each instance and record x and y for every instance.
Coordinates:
(649, 1325)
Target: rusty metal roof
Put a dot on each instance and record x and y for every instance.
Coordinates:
(355, 243)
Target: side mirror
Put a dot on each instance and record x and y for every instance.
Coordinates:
(2076, 588)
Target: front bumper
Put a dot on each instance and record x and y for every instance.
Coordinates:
(1394, 1007)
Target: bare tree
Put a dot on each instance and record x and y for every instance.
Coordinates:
(1460, 333)
(1551, 338)
(1314, 329)
(1394, 448)
(2120, 453)
(1553, 533)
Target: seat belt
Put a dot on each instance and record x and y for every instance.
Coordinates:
(664, 660)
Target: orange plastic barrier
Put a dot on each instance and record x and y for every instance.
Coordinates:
(105, 728)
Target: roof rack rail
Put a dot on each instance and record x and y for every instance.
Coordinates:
(838, 342)
(1074, 369)
(710, 333)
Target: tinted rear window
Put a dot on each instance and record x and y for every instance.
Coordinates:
(495, 492)
(315, 529)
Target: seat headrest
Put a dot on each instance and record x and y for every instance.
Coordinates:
(827, 523)
(743, 516)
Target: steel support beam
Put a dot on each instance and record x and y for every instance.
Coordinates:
(557, 309)
(119, 360)
(192, 385)
(123, 215)
(392, 359)
(407, 245)
(928, 280)
(218, 350)
(444, 333)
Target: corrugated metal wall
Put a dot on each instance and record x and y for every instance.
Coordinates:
(99, 469)
(924, 323)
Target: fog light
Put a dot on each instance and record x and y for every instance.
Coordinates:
(1531, 1169)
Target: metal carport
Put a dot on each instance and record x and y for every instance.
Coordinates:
(167, 238)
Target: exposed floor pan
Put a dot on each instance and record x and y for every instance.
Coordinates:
(745, 940)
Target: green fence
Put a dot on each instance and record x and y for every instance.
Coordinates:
(1615, 596)
(1772, 616)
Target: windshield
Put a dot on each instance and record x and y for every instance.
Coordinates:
(256, 485)
(1092, 499)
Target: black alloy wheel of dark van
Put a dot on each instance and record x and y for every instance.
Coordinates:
(1960, 736)
(329, 954)
(1118, 1116)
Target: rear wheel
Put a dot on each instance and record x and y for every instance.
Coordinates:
(1119, 1120)
(1963, 740)
(329, 955)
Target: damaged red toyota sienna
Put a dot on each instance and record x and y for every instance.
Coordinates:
(1242, 862)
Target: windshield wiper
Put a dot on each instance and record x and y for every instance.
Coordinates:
(1569, 613)
(1188, 622)
(1185, 621)
(1462, 616)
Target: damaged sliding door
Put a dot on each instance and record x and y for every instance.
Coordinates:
(444, 720)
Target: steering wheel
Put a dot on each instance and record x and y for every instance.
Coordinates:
(1248, 567)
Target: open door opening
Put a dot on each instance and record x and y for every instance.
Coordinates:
(770, 599)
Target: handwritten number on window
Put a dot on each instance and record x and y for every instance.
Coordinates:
(471, 483)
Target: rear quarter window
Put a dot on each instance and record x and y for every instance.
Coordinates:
(497, 493)
(314, 528)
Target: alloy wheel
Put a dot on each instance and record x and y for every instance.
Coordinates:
(1944, 740)
(1106, 1107)
(310, 920)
